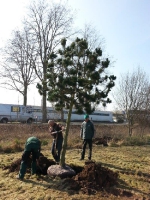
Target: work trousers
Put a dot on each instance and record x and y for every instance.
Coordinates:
(24, 160)
(56, 149)
(85, 142)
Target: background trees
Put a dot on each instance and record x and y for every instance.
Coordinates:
(27, 53)
(132, 96)
(47, 23)
(76, 78)
(18, 72)
(92, 35)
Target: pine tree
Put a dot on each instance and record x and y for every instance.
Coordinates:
(76, 79)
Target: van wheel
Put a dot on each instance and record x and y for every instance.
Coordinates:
(4, 120)
(29, 121)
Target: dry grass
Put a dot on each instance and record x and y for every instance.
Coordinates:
(131, 162)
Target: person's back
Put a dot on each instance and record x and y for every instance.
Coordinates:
(32, 140)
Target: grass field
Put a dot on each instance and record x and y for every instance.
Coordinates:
(131, 162)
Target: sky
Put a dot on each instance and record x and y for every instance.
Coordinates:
(124, 24)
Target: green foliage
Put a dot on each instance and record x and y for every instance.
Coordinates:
(63, 42)
(40, 88)
(76, 74)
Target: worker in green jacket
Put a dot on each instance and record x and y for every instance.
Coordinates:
(32, 146)
(87, 133)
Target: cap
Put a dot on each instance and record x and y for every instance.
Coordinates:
(86, 116)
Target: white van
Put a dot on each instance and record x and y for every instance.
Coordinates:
(15, 113)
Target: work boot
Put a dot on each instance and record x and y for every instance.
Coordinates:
(18, 177)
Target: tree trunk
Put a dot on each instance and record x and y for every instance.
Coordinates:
(62, 115)
(44, 117)
(44, 110)
(64, 147)
(25, 96)
(130, 130)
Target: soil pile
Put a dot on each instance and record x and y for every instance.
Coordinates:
(44, 163)
(94, 177)
(99, 141)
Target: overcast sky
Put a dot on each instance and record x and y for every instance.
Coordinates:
(124, 24)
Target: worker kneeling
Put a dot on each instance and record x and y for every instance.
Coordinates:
(32, 145)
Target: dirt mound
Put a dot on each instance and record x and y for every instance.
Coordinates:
(99, 141)
(44, 163)
(94, 177)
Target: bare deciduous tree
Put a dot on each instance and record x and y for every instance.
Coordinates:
(17, 69)
(47, 24)
(91, 34)
(132, 95)
(143, 118)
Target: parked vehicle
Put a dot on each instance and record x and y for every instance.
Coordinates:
(15, 113)
(29, 114)
(97, 116)
(102, 116)
(37, 113)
